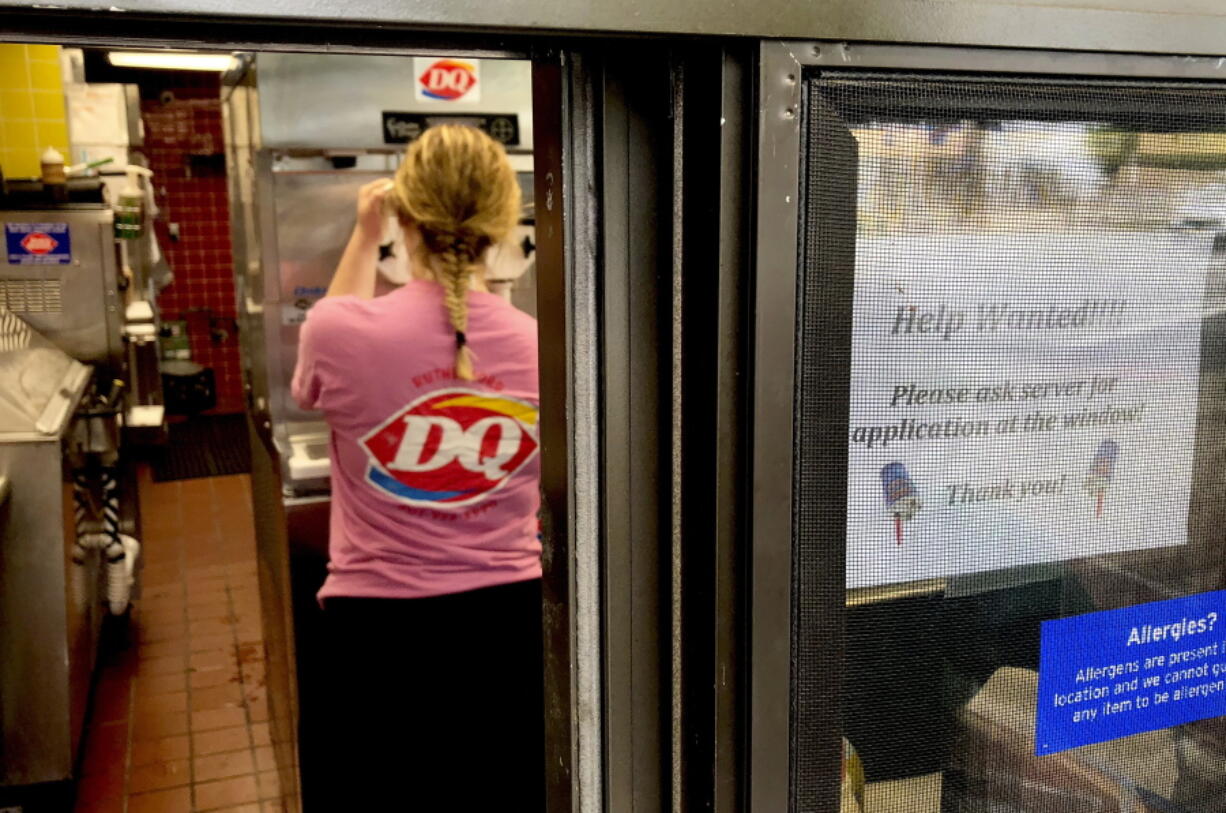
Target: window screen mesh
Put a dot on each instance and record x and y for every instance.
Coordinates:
(1036, 412)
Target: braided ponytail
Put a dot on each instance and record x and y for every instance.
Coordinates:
(455, 269)
(457, 188)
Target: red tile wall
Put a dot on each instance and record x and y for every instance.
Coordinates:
(184, 146)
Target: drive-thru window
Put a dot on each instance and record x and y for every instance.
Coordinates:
(1006, 568)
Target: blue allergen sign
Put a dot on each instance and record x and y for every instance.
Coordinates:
(38, 243)
(1120, 672)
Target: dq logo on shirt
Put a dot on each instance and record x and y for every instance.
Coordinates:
(451, 447)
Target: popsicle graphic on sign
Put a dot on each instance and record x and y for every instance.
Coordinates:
(448, 80)
(900, 498)
(1102, 469)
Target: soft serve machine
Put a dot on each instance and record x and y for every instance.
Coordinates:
(78, 334)
(304, 132)
(68, 526)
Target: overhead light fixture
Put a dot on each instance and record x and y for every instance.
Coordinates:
(171, 60)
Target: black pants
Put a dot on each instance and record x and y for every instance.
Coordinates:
(436, 702)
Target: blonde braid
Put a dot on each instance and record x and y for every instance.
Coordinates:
(458, 189)
(456, 270)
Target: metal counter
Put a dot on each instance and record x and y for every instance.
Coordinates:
(60, 309)
(47, 659)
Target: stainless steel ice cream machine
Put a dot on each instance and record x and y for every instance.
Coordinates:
(69, 521)
(303, 133)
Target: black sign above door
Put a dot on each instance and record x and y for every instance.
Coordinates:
(401, 128)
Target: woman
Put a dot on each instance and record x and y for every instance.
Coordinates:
(432, 597)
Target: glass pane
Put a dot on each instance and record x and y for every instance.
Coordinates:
(1036, 415)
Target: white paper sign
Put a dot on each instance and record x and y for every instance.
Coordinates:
(1021, 398)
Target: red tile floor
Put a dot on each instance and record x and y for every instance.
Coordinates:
(180, 720)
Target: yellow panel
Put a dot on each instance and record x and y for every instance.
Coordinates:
(45, 76)
(14, 72)
(48, 105)
(28, 165)
(17, 104)
(47, 53)
(13, 52)
(53, 134)
(20, 135)
(21, 164)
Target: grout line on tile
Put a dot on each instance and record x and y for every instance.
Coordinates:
(242, 680)
(127, 751)
(181, 556)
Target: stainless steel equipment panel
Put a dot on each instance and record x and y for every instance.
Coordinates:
(75, 305)
(304, 132)
(294, 215)
(242, 141)
(311, 208)
(337, 100)
(51, 612)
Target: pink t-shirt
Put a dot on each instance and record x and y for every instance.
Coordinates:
(434, 479)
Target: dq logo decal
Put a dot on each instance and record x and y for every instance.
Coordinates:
(447, 80)
(38, 243)
(450, 448)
